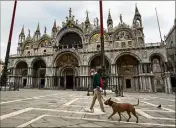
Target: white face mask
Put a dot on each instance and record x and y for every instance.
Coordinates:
(92, 73)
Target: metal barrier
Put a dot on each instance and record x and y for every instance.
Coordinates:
(10, 86)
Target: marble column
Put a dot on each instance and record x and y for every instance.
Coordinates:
(29, 78)
(168, 88)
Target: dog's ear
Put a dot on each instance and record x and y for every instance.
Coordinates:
(110, 98)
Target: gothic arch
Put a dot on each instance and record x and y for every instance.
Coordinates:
(126, 53)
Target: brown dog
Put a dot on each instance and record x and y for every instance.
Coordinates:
(122, 107)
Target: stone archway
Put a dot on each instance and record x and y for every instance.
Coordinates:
(70, 40)
(95, 62)
(158, 67)
(39, 71)
(68, 73)
(67, 66)
(127, 66)
(21, 71)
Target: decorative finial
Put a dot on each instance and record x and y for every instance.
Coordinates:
(45, 30)
(87, 13)
(22, 30)
(121, 21)
(38, 27)
(70, 12)
(28, 32)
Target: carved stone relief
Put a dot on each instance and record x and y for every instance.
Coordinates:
(144, 54)
(122, 35)
(67, 60)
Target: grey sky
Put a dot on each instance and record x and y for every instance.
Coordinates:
(29, 13)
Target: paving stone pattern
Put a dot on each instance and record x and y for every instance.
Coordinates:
(57, 108)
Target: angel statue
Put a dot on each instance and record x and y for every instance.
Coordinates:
(45, 30)
(29, 32)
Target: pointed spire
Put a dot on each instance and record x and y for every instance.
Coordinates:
(54, 26)
(54, 29)
(109, 15)
(22, 30)
(136, 10)
(87, 17)
(109, 20)
(38, 28)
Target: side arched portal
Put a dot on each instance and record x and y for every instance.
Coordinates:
(127, 67)
(39, 71)
(21, 71)
(158, 68)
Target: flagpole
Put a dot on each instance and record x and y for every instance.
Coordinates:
(158, 25)
(4, 73)
(102, 36)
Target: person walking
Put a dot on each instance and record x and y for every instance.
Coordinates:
(97, 92)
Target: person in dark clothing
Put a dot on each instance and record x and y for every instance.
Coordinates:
(97, 92)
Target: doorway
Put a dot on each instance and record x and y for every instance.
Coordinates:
(24, 82)
(173, 84)
(42, 83)
(128, 83)
(68, 74)
(69, 82)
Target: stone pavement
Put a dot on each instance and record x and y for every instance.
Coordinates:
(57, 108)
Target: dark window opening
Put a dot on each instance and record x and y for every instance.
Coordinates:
(98, 47)
(128, 83)
(70, 40)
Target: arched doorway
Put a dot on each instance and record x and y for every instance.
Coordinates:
(21, 73)
(68, 74)
(71, 39)
(39, 70)
(127, 67)
(157, 66)
(95, 63)
(66, 70)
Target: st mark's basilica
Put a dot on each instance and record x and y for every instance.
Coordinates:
(63, 59)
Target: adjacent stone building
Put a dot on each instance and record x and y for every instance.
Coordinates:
(170, 40)
(63, 59)
(1, 66)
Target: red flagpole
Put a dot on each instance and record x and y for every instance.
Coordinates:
(4, 74)
(102, 34)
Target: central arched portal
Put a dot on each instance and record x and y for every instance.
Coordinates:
(67, 67)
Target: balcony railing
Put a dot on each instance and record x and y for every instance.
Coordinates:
(30, 54)
(93, 49)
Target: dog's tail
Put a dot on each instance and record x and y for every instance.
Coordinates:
(137, 103)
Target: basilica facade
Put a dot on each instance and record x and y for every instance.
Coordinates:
(63, 59)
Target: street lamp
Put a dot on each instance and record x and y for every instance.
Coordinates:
(4, 73)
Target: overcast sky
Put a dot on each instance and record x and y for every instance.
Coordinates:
(29, 13)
